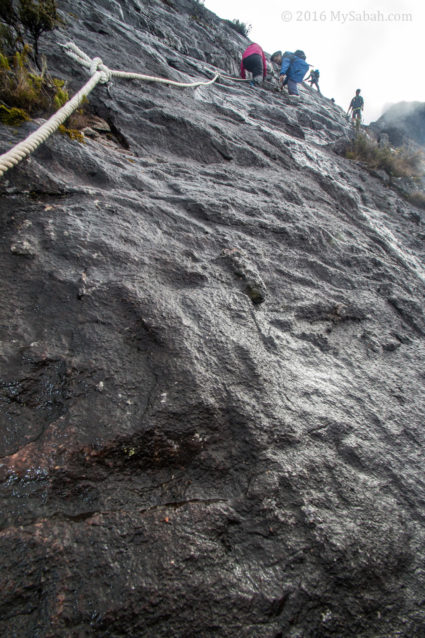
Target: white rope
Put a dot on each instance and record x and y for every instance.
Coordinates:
(99, 74)
(150, 78)
(31, 143)
(77, 54)
(230, 77)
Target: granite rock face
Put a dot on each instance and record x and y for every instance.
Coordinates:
(403, 122)
(212, 339)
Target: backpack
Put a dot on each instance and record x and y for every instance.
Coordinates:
(357, 102)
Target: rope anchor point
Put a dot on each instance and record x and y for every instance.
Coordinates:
(99, 74)
(97, 66)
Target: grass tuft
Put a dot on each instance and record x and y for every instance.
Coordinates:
(13, 116)
(401, 162)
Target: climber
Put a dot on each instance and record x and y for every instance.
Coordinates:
(254, 61)
(356, 105)
(293, 69)
(313, 78)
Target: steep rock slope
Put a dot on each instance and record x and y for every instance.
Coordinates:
(211, 360)
(402, 123)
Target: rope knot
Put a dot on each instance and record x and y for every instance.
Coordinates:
(97, 65)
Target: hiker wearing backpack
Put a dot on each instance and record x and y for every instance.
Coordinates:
(313, 78)
(356, 105)
(292, 70)
(254, 61)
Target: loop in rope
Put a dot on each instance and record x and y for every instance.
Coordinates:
(97, 65)
(100, 74)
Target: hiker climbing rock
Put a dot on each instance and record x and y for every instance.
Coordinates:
(254, 61)
(356, 105)
(313, 78)
(293, 69)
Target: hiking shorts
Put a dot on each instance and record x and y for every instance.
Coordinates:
(357, 113)
(254, 64)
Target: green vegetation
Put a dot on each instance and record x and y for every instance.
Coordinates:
(26, 88)
(61, 96)
(72, 133)
(21, 20)
(12, 116)
(38, 17)
(401, 162)
(22, 87)
(239, 26)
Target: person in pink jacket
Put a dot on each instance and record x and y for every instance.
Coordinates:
(254, 61)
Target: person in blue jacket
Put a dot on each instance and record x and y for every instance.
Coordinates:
(293, 69)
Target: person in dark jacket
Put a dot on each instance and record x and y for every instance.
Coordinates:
(356, 105)
(293, 69)
(254, 61)
(313, 78)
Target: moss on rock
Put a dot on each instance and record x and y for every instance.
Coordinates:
(13, 116)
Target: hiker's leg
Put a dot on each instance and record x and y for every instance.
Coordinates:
(292, 87)
(254, 64)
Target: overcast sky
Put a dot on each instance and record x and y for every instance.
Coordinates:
(378, 47)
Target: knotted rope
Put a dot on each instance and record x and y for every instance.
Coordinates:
(100, 74)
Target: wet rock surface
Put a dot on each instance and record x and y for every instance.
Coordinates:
(212, 339)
